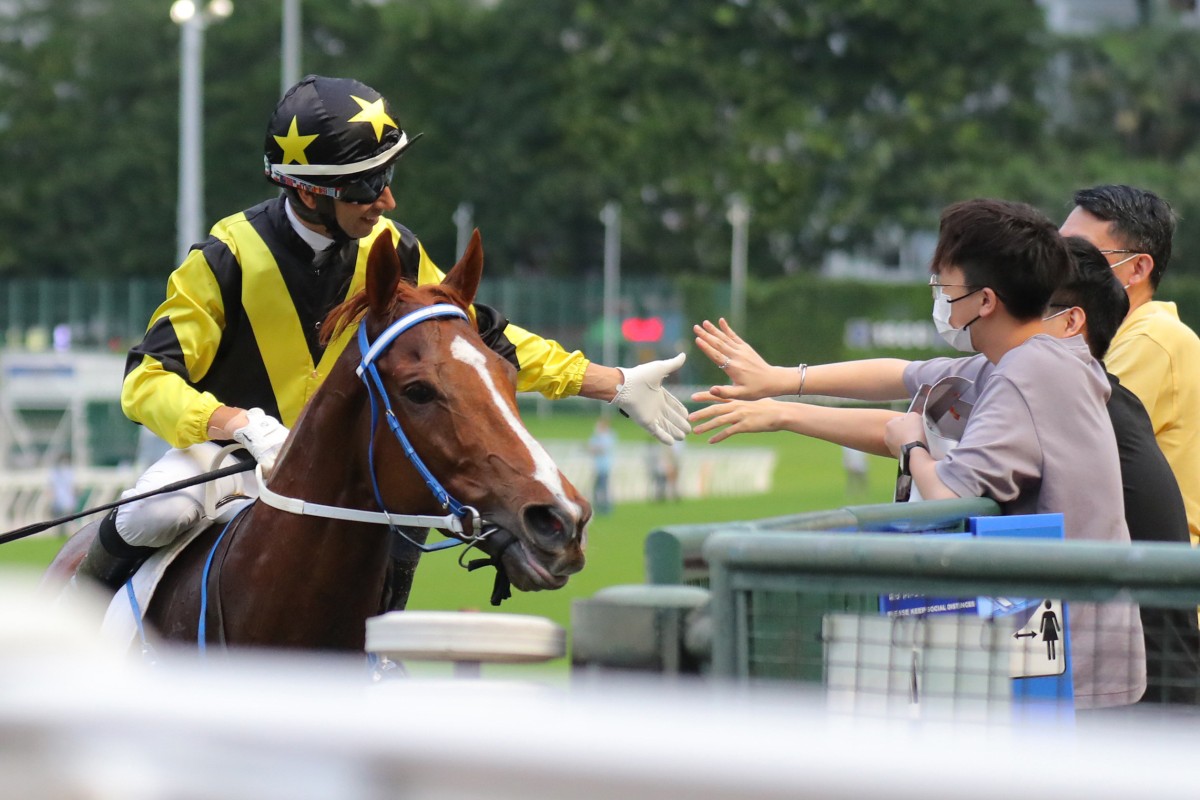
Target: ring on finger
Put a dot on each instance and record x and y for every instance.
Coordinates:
(726, 364)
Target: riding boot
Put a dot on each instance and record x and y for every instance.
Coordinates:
(110, 561)
(403, 566)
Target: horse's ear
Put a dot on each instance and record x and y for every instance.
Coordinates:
(465, 275)
(383, 274)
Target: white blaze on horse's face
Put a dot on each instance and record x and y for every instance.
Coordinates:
(545, 470)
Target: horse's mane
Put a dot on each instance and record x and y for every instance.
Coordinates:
(353, 310)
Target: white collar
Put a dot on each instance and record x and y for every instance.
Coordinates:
(316, 241)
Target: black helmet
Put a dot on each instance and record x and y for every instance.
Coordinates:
(335, 137)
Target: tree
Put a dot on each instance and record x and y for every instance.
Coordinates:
(86, 147)
(833, 118)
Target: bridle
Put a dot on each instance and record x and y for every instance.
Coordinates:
(462, 519)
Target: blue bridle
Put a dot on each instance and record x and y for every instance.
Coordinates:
(471, 524)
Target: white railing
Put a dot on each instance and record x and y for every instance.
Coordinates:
(699, 472)
(26, 496)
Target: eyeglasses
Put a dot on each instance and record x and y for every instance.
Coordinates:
(935, 287)
(365, 190)
(1109, 252)
(1063, 308)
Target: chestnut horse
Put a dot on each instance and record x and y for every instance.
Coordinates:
(453, 442)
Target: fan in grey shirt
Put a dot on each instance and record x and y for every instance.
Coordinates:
(1034, 448)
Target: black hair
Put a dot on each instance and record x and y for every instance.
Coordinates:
(1097, 291)
(1141, 220)
(1012, 248)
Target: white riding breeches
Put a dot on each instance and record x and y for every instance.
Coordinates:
(156, 521)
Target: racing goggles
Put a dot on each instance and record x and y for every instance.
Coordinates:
(366, 189)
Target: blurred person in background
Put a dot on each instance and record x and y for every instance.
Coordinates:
(854, 462)
(603, 447)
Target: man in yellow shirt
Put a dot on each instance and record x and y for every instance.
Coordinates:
(1154, 354)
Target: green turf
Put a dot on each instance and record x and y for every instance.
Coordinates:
(808, 477)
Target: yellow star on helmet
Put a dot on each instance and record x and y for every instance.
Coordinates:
(293, 145)
(374, 114)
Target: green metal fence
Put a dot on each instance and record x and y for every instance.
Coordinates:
(675, 554)
(806, 607)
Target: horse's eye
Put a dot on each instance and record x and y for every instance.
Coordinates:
(419, 392)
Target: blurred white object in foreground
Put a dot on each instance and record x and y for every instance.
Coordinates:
(77, 723)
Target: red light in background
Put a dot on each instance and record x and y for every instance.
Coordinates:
(636, 329)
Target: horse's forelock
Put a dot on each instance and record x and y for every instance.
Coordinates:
(406, 296)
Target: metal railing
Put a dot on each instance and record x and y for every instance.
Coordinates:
(781, 602)
(675, 554)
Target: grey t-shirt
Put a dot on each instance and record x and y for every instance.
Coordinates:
(1040, 440)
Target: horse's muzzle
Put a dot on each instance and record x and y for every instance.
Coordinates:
(549, 547)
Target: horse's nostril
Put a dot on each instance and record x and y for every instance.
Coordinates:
(548, 522)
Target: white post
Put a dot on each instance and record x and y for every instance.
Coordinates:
(739, 217)
(611, 217)
(464, 223)
(189, 220)
(290, 48)
(191, 136)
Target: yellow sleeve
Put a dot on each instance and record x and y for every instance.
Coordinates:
(1144, 368)
(546, 366)
(179, 347)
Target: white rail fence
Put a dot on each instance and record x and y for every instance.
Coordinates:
(26, 496)
(699, 472)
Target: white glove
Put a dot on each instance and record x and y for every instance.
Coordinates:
(263, 436)
(642, 398)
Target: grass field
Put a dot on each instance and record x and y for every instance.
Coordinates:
(808, 477)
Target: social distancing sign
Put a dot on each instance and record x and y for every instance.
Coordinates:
(1039, 646)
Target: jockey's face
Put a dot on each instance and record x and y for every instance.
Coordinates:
(359, 219)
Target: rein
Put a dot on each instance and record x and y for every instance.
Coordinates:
(461, 519)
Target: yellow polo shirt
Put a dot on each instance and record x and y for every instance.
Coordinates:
(1157, 358)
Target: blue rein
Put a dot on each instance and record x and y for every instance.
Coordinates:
(367, 371)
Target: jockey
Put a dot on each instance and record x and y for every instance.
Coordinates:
(234, 351)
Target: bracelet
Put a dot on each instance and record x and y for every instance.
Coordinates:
(803, 374)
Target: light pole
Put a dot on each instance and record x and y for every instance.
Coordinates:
(290, 49)
(738, 217)
(192, 22)
(610, 215)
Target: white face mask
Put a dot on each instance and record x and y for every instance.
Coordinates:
(958, 338)
(1122, 261)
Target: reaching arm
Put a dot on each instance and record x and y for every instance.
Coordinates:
(639, 394)
(858, 428)
(752, 378)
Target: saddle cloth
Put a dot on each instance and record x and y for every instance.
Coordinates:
(121, 622)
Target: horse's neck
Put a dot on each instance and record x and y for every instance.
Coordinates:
(325, 460)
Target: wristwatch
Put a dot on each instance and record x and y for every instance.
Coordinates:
(905, 450)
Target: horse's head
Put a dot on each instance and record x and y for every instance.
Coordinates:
(455, 401)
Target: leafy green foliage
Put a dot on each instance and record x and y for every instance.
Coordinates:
(842, 122)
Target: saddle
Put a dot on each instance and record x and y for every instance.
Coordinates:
(123, 619)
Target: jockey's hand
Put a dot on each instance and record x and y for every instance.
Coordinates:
(263, 436)
(641, 397)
